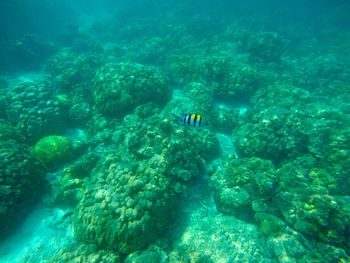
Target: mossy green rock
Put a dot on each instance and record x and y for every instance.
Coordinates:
(269, 224)
(53, 151)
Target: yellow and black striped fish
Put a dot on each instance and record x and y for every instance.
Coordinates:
(194, 120)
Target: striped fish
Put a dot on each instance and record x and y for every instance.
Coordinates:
(194, 120)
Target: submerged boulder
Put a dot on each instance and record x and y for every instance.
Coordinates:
(53, 151)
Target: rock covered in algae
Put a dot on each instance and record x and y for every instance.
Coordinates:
(22, 182)
(119, 88)
(153, 254)
(226, 78)
(244, 186)
(71, 70)
(282, 95)
(273, 133)
(304, 199)
(83, 253)
(267, 46)
(224, 119)
(132, 195)
(336, 160)
(53, 151)
(67, 186)
(201, 94)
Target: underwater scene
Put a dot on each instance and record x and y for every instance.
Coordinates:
(148, 131)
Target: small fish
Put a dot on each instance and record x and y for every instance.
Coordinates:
(191, 119)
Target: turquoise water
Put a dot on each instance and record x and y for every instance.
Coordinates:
(155, 131)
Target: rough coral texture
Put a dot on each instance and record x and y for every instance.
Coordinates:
(132, 195)
(273, 134)
(244, 186)
(227, 78)
(22, 182)
(34, 109)
(82, 253)
(119, 88)
(306, 204)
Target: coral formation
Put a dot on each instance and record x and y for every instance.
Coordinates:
(307, 205)
(119, 88)
(226, 78)
(22, 183)
(244, 186)
(33, 108)
(67, 188)
(53, 151)
(274, 134)
(83, 253)
(273, 88)
(131, 197)
(267, 46)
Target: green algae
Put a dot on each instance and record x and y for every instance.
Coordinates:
(53, 151)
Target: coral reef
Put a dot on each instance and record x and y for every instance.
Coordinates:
(34, 109)
(22, 183)
(267, 46)
(274, 133)
(306, 204)
(244, 186)
(152, 254)
(224, 119)
(72, 75)
(233, 241)
(144, 187)
(71, 70)
(201, 94)
(83, 253)
(227, 78)
(119, 88)
(67, 188)
(9, 132)
(53, 151)
(131, 196)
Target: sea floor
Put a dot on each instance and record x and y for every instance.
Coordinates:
(45, 232)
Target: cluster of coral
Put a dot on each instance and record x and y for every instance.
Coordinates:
(34, 108)
(22, 183)
(132, 195)
(126, 85)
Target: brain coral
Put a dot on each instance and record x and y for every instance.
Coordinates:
(119, 88)
(53, 151)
